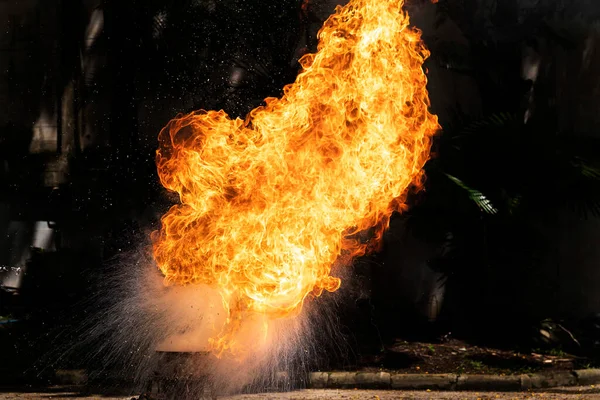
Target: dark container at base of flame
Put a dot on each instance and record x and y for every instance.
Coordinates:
(181, 375)
(187, 375)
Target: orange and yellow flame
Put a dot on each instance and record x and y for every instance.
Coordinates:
(269, 203)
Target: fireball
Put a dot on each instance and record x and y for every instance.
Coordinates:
(267, 204)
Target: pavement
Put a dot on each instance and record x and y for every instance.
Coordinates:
(561, 393)
(585, 392)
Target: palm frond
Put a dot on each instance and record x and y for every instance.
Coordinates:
(583, 188)
(495, 120)
(475, 195)
(589, 171)
(513, 203)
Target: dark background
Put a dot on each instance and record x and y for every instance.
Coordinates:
(86, 86)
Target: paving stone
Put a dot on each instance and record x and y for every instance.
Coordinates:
(422, 381)
(554, 379)
(489, 382)
(381, 380)
(71, 377)
(526, 383)
(342, 380)
(318, 380)
(385, 380)
(588, 376)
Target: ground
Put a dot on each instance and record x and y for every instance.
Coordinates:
(559, 393)
(585, 392)
(455, 356)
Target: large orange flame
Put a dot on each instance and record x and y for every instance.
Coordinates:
(268, 204)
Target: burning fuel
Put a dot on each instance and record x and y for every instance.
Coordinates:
(267, 204)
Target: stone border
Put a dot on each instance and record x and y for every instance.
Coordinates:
(77, 377)
(497, 383)
(396, 381)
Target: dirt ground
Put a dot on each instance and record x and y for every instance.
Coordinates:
(584, 392)
(455, 356)
(562, 394)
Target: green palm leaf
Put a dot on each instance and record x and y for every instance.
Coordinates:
(475, 195)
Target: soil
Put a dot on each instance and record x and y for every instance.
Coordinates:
(455, 356)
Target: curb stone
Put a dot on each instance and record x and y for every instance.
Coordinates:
(71, 377)
(495, 383)
(499, 383)
(419, 382)
(318, 380)
(587, 376)
(390, 380)
(542, 381)
(379, 380)
(342, 380)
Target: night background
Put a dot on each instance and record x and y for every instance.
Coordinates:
(493, 269)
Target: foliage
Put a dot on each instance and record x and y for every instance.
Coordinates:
(496, 176)
(507, 167)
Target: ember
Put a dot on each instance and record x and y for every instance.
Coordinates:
(269, 203)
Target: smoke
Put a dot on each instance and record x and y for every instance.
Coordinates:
(136, 329)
